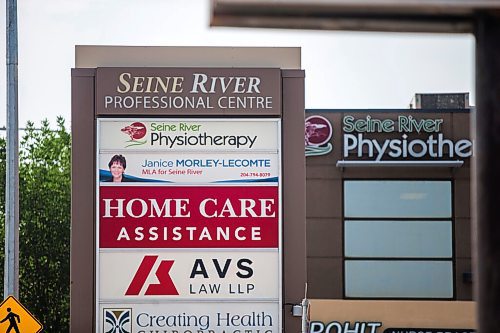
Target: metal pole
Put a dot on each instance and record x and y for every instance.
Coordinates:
(11, 268)
(487, 175)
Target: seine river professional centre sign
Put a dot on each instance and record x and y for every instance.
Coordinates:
(188, 200)
(189, 225)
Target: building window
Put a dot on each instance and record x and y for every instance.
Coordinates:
(398, 239)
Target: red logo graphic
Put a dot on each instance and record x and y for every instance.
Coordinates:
(318, 131)
(135, 130)
(166, 285)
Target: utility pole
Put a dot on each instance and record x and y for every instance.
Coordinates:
(11, 268)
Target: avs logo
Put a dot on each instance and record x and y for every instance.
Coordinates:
(117, 321)
(164, 287)
(318, 131)
(136, 131)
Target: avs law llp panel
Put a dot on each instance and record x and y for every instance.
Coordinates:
(187, 200)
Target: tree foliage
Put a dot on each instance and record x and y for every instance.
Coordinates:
(44, 223)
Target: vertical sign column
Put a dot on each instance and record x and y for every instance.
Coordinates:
(188, 225)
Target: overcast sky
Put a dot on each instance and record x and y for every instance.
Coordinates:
(343, 69)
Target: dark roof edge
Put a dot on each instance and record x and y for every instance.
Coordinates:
(468, 110)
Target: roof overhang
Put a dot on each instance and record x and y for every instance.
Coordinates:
(447, 16)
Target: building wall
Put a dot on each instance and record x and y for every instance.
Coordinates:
(324, 214)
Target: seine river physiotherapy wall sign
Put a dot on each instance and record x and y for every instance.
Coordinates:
(369, 139)
(415, 138)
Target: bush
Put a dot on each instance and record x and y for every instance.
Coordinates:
(44, 222)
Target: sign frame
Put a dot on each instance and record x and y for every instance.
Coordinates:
(82, 301)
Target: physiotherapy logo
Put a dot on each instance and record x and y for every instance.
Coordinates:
(318, 132)
(117, 321)
(136, 132)
(165, 286)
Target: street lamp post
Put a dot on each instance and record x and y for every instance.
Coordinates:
(11, 268)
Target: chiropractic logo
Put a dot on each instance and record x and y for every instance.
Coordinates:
(136, 131)
(117, 321)
(318, 132)
(165, 286)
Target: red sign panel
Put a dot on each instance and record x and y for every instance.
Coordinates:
(188, 217)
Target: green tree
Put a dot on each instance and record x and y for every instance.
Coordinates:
(44, 225)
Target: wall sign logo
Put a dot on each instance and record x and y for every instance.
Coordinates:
(136, 131)
(166, 285)
(117, 321)
(318, 132)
